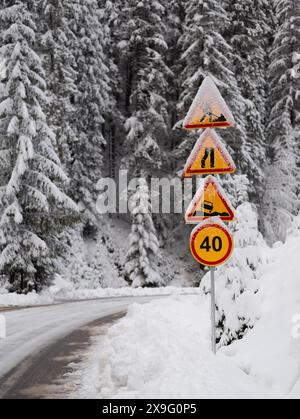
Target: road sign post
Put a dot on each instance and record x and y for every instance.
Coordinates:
(213, 310)
(211, 242)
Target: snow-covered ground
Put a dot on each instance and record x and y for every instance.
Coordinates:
(162, 349)
(271, 351)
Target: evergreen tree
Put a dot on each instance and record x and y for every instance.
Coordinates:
(237, 187)
(143, 48)
(92, 103)
(281, 199)
(143, 254)
(73, 44)
(237, 303)
(34, 208)
(174, 24)
(114, 124)
(247, 36)
(60, 68)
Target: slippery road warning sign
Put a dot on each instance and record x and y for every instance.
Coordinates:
(209, 201)
(211, 244)
(209, 156)
(209, 110)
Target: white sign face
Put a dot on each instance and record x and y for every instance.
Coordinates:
(2, 327)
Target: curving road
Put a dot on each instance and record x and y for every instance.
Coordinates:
(39, 339)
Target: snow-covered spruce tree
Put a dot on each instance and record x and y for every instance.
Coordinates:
(34, 208)
(142, 48)
(143, 255)
(174, 24)
(281, 200)
(237, 187)
(237, 303)
(111, 261)
(94, 263)
(247, 36)
(92, 103)
(60, 68)
(205, 52)
(114, 129)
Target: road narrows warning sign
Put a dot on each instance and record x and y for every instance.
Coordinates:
(209, 156)
(211, 244)
(209, 109)
(209, 201)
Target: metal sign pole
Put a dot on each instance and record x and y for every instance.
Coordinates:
(213, 311)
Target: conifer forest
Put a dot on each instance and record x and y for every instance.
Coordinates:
(91, 89)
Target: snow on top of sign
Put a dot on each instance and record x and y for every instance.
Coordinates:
(208, 93)
(200, 143)
(208, 180)
(209, 221)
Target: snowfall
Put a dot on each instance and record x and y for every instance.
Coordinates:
(162, 349)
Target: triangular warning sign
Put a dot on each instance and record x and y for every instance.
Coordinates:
(209, 109)
(209, 156)
(209, 201)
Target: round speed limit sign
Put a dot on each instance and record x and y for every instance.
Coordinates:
(211, 244)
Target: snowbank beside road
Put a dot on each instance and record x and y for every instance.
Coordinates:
(162, 350)
(62, 291)
(270, 352)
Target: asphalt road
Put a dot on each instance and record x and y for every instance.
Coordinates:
(42, 341)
